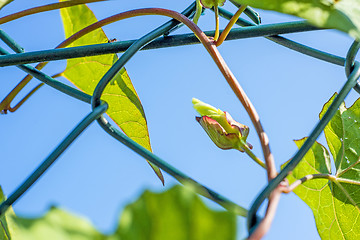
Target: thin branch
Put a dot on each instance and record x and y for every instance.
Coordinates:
(44, 8)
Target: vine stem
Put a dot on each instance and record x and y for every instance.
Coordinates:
(217, 27)
(198, 12)
(252, 155)
(44, 8)
(231, 23)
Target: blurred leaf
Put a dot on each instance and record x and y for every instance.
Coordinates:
(177, 214)
(343, 15)
(56, 224)
(3, 3)
(8, 228)
(124, 105)
(335, 203)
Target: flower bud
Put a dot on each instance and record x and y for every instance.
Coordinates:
(222, 129)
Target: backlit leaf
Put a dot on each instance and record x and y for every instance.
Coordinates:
(3, 3)
(124, 105)
(177, 214)
(336, 202)
(343, 15)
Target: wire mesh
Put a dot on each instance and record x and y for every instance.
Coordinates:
(161, 38)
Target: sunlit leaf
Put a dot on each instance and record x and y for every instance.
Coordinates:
(336, 202)
(177, 214)
(3, 3)
(343, 15)
(124, 105)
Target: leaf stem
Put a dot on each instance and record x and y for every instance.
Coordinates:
(217, 27)
(252, 155)
(198, 12)
(231, 23)
(44, 8)
(307, 178)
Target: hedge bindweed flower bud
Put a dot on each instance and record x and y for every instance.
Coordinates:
(222, 129)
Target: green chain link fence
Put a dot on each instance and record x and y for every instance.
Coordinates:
(161, 38)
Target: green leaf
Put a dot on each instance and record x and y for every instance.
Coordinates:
(343, 15)
(175, 214)
(335, 200)
(3, 3)
(124, 105)
(56, 224)
(8, 228)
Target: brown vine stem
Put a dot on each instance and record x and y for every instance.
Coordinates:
(219, 61)
(44, 8)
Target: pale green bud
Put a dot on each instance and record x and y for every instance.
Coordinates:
(222, 129)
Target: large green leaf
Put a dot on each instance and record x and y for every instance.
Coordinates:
(343, 15)
(177, 214)
(124, 105)
(335, 201)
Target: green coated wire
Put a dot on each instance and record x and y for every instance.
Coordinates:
(51, 81)
(331, 58)
(178, 175)
(10, 42)
(254, 16)
(96, 113)
(350, 83)
(148, 42)
(181, 177)
(162, 42)
(350, 60)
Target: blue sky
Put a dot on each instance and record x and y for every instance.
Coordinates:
(97, 176)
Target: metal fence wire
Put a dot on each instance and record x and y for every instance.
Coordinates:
(161, 38)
